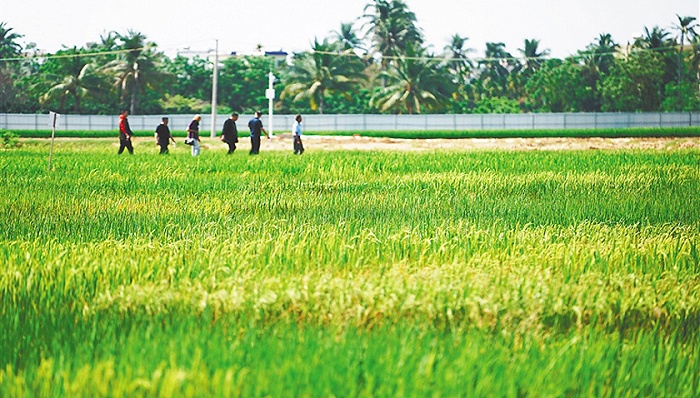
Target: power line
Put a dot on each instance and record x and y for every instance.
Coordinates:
(77, 55)
(630, 49)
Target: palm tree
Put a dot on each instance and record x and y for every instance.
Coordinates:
(136, 69)
(655, 39)
(459, 63)
(81, 80)
(599, 55)
(415, 82)
(329, 67)
(109, 43)
(9, 48)
(533, 57)
(532, 61)
(686, 27)
(658, 42)
(596, 60)
(347, 36)
(695, 56)
(392, 27)
(496, 68)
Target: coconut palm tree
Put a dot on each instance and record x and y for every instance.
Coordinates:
(329, 67)
(495, 68)
(80, 80)
(533, 57)
(458, 57)
(656, 39)
(415, 82)
(600, 55)
(392, 27)
(686, 29)
(661, 45)
(347, 36)
(532, 60)
(9, 47)
(695, 56)
(595, 61)
(136, 69)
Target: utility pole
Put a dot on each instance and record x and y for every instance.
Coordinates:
(214, 89)
(270, 94)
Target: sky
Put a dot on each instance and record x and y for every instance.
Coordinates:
(562, 26)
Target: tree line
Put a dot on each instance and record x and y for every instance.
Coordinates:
(378, 64)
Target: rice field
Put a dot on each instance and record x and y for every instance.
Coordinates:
(342, 273)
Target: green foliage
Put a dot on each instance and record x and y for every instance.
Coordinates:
(79, 79)
(242, 83)
(417, 83)
(137, 72)
(9, 47)
(495, 70)
(683, 98)
(328, 69)
(349, 273)
(9, 140)
(558, 86)
(193, 78)
(634, 84)
(496, 105)
(178, 104)
(393, 27)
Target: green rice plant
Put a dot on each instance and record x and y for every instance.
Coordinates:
(349, 273)
(9, 140)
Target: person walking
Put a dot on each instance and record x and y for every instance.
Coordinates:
(229, 134)
(193, 133)
(163, 136)
(256, 127)
(125, 133)
(296, 132)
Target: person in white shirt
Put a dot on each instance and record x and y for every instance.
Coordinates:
(296, 132)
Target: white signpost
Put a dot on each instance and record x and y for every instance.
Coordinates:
(270, 95)
(214, 89)
(53, 122)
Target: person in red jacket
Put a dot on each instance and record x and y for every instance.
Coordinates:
(125, 133)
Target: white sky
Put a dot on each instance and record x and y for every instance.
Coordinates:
(562, 26)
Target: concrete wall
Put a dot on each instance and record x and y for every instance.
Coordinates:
(283, 123)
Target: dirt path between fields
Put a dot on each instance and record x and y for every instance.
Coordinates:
(283, 142)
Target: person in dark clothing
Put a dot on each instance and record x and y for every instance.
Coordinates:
(229, 134)
(193, 132)
(256, 127)
(125, 133)
(164, 136)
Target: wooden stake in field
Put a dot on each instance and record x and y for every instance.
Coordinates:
(53, 118)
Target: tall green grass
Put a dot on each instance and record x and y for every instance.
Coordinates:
(349, 273)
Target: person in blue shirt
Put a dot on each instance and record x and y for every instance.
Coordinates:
(256, 127)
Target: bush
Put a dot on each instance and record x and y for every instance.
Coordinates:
(10, 140)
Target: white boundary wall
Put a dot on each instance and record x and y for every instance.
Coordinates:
(319, 123)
